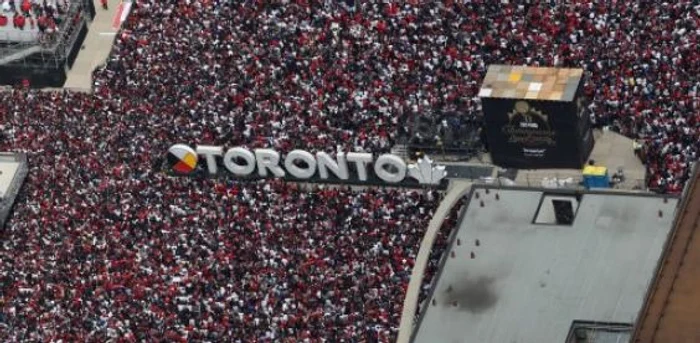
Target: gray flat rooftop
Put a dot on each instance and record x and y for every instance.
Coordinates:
(8, 170)
(13, 171)
(528, 283)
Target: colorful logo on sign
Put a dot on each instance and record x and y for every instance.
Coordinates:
(182, 159)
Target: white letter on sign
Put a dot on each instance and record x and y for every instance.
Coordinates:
(210, 152)
(361, 159)
(296, 171)
(235, 168)
(268, 159)
(393, 176)
(339, 168)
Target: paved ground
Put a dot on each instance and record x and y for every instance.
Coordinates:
(611, 150)
(96, 48)
(456, 191)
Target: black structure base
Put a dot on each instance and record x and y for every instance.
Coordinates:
(535, 134)
(37, 76)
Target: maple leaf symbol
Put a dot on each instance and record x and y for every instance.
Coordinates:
(425, 173)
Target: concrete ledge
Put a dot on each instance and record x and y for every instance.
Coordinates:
(457, 190)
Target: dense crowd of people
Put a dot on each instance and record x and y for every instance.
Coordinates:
(103, 245)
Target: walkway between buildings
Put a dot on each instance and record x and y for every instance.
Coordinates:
(457, 190)
(96, 47)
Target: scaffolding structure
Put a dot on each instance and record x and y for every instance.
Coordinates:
(34, 54)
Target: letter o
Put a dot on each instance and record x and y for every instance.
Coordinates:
(236, 168)
(392, 160)
(296, 171)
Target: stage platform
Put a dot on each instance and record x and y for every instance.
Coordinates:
(10, 34)
(44, 62)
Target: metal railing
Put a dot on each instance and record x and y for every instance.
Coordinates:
(19, 37)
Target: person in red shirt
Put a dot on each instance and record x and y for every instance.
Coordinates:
(51, 25)
(3, 20)
(19, 21)
(26, 7)
(105, 4)
(41, 23)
